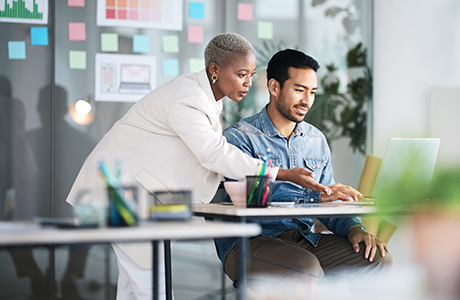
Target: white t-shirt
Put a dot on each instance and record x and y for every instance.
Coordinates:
(218, 106)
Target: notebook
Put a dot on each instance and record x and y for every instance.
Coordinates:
(406, 171)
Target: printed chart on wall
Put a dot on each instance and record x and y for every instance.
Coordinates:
(124, 78)
(158, 14)
(24, 11)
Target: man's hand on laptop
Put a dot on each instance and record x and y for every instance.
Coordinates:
(304, 178)
(341, 192)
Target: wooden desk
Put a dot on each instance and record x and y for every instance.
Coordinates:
(30, 235)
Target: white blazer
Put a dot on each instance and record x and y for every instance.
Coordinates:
(169, 140)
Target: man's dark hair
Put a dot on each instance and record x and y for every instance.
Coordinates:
(278, 66)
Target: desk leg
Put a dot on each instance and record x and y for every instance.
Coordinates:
(241, 292)
(155, 270)
(168, 270)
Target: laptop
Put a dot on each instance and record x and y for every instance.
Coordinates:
(134, 79)
(405, 173)
(404, 176)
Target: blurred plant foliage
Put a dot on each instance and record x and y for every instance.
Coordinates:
(265, 53)
(340, 115)
(445, 186)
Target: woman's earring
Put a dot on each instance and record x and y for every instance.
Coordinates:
(214, 78)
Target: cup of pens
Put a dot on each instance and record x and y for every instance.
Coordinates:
(122, 197)
(122, 205)
(258, 191)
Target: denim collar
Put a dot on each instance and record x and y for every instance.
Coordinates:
(269, 129)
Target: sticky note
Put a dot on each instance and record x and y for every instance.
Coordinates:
(77, 3)
(17, 50)
(141, 43)
(171, 67)
(77, 59)
(109, 42)
(195, 64)
(195, 34)
(77, 32)
(196, 10)
(245, 12)
(170, 43)
(39, 36)
(265, 30)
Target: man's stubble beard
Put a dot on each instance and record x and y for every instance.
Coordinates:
(283, 108)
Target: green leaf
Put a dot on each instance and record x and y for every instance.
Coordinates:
(317, 2)
(332, 12)
(357, 56)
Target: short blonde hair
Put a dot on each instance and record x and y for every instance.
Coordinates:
(223, 45)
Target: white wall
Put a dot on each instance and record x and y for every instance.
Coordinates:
(416, 46)
(445, 122)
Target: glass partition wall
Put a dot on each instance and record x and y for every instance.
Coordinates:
(43, 143)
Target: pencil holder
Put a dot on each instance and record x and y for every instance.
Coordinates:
(122, 206)
(258, 191)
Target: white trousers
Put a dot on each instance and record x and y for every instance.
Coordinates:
(134, 282)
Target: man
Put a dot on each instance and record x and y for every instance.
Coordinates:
(297, 252)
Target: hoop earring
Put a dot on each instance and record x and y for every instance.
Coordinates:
(214, 78)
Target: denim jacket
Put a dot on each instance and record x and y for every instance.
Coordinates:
(306, 148)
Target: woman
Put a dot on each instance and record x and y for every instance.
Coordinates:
(172, 139)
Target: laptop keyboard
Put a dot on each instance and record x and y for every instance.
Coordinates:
(135, 86)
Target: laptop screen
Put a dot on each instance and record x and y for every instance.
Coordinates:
(406, 171)
(135, 73)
